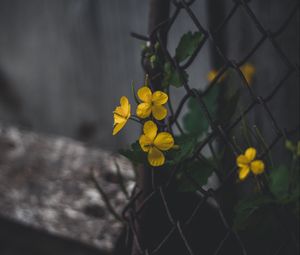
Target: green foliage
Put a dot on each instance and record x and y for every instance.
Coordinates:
(173, 77)
(279, 182)
(230, 106)
(254, 212)
(199, 171)
(187, 45)
(186, 144)
(135, 153)
(194, 121)
(134, 93)
(250, 211)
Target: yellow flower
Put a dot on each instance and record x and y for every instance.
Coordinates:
(213, 74)
(154, 143)
(151, 103)
(121, 115)
(248, 71)
(246, 163)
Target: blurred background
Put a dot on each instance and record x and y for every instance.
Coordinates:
(64, 64)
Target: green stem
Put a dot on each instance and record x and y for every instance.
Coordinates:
(134, 118)
(262, 140)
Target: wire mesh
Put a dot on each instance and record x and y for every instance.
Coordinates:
(143, 206)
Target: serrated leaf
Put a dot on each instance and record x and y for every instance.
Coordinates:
(172, 77)
(249, 210)
(194, 121)
(187, 45)
(186, 146)
(230, 106)
(135, 153)
(199, 171)
(279, 182)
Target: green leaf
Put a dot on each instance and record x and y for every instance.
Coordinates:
(194, 121)
(230, 106)
(135, 153)
(279, 182)
(187, 45)
(199, 171)
(134, 93)
(172, 77)
(250, 210)
(186, 146)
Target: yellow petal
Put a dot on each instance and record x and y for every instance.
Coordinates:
(129, 112)
(145, 143)
(119, 115)
(257, 167)
(159, 98)
(248, 71)
(243, 172)
(211, 75)
(156, 157)
(159, 112)
(164, 141)
(122, 113)
(143, 110)
(150, 129)
(242, 161)
(118, 127)
(145, 94)
(124, 104)
(250, 153)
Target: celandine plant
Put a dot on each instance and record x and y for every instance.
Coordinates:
(274, 188)
(149, 111)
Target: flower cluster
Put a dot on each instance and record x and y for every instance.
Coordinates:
(149, 110)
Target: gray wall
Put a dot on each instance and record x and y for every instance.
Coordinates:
(65, 63)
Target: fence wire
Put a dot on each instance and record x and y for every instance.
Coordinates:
(141, 202)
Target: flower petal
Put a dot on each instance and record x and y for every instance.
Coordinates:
(150, 129)
(119, 115)
(124, 101)
(212, 74)
(118, 127)
(159, 98)
(242, 161)
(143, 110)
(125, 106)
(156, 157)
(145, 94)
(248, 71)
(159, 112)
(257, 167)
(145, 143)
(250, 153)
(164, 141)
(243, 172)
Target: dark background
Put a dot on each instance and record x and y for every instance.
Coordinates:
(64, 64)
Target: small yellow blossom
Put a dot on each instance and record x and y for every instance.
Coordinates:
(121, 115)
(151, 103)
(248, 71)
(154, 143)
(246, 163)
(213, 74)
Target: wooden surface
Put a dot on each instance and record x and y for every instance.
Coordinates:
(45, 183)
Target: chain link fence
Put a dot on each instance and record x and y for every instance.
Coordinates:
(159, 221)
